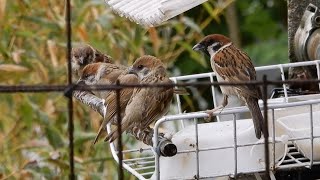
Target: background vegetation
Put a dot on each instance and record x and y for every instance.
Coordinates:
(33, 126)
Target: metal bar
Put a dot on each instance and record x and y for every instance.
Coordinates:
(284, 85)
(318, 72)
(214, 99)
(273, 139)
(178, 103)
(136, 150)
(120, 155)
(311, 134)
(235, 146)
(261, 68)
(143, 168)
(140, 163)
(300, 159)
(235, 110)
(70, 102)
(138, 159)
(155, 142)
(147, 173)
(289, 166)
(197, 146)
(61, 88)
(265, 128)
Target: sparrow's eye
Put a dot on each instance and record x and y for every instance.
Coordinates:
(140, 66)
(216, 46)
(86, 76)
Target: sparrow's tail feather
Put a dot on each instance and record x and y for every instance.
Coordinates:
(114, 134)
(256, 115)
(102, 126)
(181, 91)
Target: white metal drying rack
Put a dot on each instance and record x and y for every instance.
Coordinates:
(143, 162)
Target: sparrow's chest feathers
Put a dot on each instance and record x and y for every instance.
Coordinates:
(224, 64)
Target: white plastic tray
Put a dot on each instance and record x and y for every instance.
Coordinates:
(298, 127)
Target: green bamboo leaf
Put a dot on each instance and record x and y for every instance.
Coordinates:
(54, 137)
(83, 137)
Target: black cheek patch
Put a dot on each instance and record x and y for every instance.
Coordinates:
(216, 47)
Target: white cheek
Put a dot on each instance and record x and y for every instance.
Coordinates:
(210, 50)
(141, 76)
(74, 65)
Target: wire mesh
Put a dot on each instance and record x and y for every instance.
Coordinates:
(137, 166)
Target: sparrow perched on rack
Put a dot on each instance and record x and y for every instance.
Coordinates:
(84, 55)
(303, 73)
(107, 73)
(101, 74)
(146, 104)
(233, 65)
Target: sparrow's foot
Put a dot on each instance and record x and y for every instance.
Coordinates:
(210, 113)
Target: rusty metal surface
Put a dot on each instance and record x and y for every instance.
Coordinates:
(296, 9)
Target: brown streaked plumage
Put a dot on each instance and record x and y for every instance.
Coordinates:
(101, 73)
(106, 73)
(125, 95)
(146, 104)
(84, 55)
(233, 65)
(303, 73)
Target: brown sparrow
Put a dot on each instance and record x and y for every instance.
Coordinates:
(233, 65)
(84, 55)
(111, 101)
(146, 104)
(101, 74)
(303, 73)
(104, 102)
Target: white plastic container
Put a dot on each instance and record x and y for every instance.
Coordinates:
(220, 161)
(298, 126)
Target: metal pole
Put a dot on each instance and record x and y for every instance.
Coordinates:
(265, 127)
(68, 94)
(120, 155)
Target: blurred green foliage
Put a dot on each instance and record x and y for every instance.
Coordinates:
(33, 127)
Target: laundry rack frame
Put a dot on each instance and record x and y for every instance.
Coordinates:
(153, 162)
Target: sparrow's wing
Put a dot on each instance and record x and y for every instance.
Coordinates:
(111, 101)
(112, 72)
(133, 114)
(233, 65)
(100, 57)
(156, 103)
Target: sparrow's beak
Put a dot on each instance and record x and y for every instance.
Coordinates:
(81, 81)
(132, 70)
(81, 61)
(198, 47)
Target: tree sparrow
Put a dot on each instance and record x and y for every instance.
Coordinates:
(84, 55)
(233, 65)
(101, 74)
(303, 73)
(146, 104)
